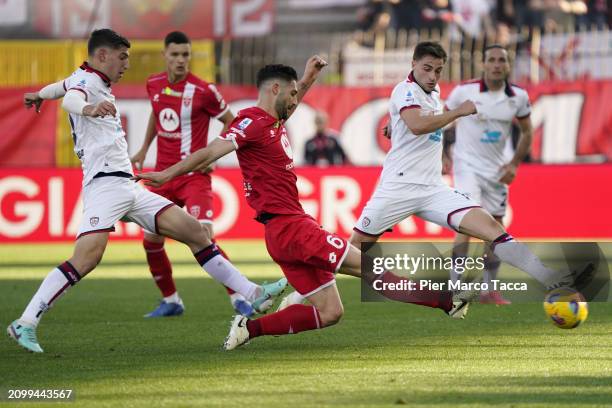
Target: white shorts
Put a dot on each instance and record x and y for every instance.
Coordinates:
(394, 202)
(107, 200)
(490, 194)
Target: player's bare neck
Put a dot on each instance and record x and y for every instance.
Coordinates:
(173, 78)
(268, 107)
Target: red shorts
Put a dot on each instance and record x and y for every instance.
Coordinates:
(193, 191)
(308, 255)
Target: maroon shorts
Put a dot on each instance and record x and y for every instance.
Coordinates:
(308, 255)
(193, 191)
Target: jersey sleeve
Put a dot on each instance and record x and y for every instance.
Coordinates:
(213, 102)
(524, 108)
(242, 132)
(454, 99)
(81, 83)
(405, 97)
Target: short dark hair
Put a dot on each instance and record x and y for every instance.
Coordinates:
(491, 47)
(276, 71)
(177, 37)
(106, 37)
(429, 48)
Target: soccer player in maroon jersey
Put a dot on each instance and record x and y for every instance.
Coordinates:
(182, 106)
(308, 255)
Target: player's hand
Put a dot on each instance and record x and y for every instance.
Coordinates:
(508, 173)
(386, 131)
(314, 65)
(32, 99)
(138, 159)
(102, 109)
(466, 108)
(447, 164)
(153, 179)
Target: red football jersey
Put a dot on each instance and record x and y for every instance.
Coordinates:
(182, 112)
(266, 162)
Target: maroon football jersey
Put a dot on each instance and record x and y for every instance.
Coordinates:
(266, 162)
(182, 114)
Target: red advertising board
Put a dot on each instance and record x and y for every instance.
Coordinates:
(569, 201)
(570, 120)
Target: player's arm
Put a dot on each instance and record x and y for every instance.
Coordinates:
(200, 158)
(75, 101)
(522, 149)
(422, 125)
(314, 65)
(51, 91)
(227, 118)
(151, 133)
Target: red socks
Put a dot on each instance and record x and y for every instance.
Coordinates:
(293, 319)
(160, 267)
(437, 299)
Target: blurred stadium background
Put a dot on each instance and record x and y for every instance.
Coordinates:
(561, 52)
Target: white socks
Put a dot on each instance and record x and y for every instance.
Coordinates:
(520, 256)
(57, 282)
(224, 272)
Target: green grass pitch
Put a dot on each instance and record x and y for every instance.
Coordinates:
(381, 354)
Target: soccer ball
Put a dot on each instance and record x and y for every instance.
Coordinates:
(566, 308)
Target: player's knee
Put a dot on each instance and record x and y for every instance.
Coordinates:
(332, 315)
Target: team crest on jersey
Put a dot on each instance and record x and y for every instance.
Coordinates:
(244, 123)
(512, 103)
(187, 101)
(169, 120)
(81, 83)
(93, 221)
(194, 210)
(287, 146)
(365, 222)
(156, 98)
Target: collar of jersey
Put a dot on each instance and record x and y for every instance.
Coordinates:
(277, 123)
(86, 67)
(412, 79)
(507, 89)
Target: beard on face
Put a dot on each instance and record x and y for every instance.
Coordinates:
(282, 110)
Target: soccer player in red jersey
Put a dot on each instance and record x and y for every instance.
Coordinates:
(308, 255)
(182, 106)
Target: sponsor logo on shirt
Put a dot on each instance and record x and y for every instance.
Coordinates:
(171, 92)
(244, 123)
(491, 136)
(169, 120)
(436, 136)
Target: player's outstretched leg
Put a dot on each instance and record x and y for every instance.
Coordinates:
(88, 252)
(478, 223)
(161, 270)
(176, 224)
(325, 310)
(454, 305)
